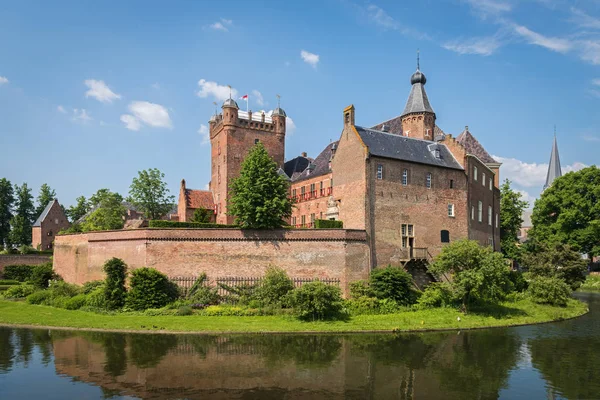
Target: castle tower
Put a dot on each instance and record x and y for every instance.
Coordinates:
(418, 118)
(554, 170)
(233, 132)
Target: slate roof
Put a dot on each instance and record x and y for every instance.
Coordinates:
(417, 100)
(296, 166)
(320, 164)
(199, 199)
(44, 214)
(388, 145)
(472, 146)
(554, 170)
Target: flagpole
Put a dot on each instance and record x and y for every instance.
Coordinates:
(247, 103)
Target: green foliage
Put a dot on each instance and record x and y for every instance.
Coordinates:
(240, 294)
(45, 196)
(76, 302)
(41, 275)
(149, 193)
(569, 212)
(557, 260)
(184, 310)
(206, 295)
(519, 283)
(260, 196)
(19, 291)
(201, 215)
(438, 294)
(97, 299)
(77, 211)
(150, 289)
(7, 201)
(90, 286)
(109, 214)
(592, 282)
(62, 288)
(19, 273)
(74, 228)
(549, 290)
(9, 282)
(23, 217)
(316, 300)
(177, 224)
(392, 283)
(364, 305)
(274, 287)
(360, 288)
(327, 224)
(26, 249)
(39, 297)
(230, 311)
(114, 287)
(478, 273)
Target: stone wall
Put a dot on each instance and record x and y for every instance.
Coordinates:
(332, 253)
(22, 259)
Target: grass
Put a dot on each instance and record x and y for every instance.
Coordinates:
(592, 282)
(506, 314)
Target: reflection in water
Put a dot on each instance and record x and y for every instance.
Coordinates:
(465, 365)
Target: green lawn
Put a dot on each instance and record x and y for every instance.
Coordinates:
(521, 312)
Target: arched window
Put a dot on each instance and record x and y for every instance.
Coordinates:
(445, 236)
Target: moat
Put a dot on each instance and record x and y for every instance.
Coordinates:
(556, 360)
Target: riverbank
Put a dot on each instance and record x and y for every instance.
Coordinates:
(522, 312)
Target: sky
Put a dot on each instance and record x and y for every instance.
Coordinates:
(93, 91)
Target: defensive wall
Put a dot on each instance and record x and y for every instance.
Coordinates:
(312, 253)
(22, 259)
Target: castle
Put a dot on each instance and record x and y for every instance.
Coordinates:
(408, 184)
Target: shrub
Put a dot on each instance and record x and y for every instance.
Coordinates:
(58, 301)
(96, 299)
(90, 286)
(76, 302)
(230, 311)
(175, 224)
(239, 294)
(25, 249)
(274, 287)
(519, 284)
(9, 282)
(392, 283)
(62, 288)
(437, 294)
(19, 273)
(206, 295)
(150, 289)
(360, 288)
(184, 310)
(114, 288)
(545, 290)
(327, 224)
(41, 275)
(316, 300)
(359, 305)
(19, 291)
(39, 297)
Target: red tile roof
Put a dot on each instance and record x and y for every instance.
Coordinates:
(472, 145)
(199, 199)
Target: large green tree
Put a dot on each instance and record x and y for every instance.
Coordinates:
(46, 195)
(478, 273)
(79, 209)
(556, 260)
(7, 201)
(109, 212)
(511, 210)
(23, 217)
(149, 193)
(569, 212)
(260, 196)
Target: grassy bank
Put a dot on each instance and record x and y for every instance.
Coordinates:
(507, 314)
(592, 282)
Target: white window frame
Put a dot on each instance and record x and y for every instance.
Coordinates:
(490, 215)
(474, 173)
(472, 212)
(379, 171)
(496, 220)
(405, 177)
(428, 180)
(483, 179)
(479, 211)
(451, 210)
(491, 183)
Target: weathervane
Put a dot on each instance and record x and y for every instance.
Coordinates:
(229, 86)
(554, 130)
(418, 60)
(215, 103)
(278, 101)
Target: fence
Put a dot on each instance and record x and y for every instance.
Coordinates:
(185, 283)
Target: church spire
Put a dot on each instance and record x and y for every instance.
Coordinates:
(554, 170)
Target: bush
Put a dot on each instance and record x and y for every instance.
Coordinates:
(19, 273)
(184, 310)
(8, 282)
(114, 288)
(62, 288)
(437, 294)
(392, 283)
(229, 311)
(206, 295)
(316, 300)
(39, 297)
(24, 249)
(96, 299)
(274, 287)
(359, 289)
(519, 284)
(41, 275)
(90, 286)
(150, 289)
(59, 301)
(327, 224)
(76, 302)
(554, 291)
(197, 225)
(19, 291)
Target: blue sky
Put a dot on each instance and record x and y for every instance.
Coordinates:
(93, 91)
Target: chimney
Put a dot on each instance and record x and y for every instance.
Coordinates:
(303, 154)
(385, 128)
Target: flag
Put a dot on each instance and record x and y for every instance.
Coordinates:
(244, 97)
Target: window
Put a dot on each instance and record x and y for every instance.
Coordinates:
(302, 189)
(303, 220)
(483, 178)
(407, 232)
(404, 177)
(428, 180)
(410, 230)
(479, 211)
(451, 183)
(472, 212)
(451, 210)
(403, 229)
(219, 147)
(312, 189)
(293, 192)
(445, 236)
(404, 241)
(496, 220)
(491, 241)
(475, 173)
(379, 171)
(490, 183)
(490, 215)
(256, 141)
(293, 221)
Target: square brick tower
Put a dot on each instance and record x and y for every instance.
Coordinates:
(232, 135)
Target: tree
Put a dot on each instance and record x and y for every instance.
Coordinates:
(201, 215)
(109, 213)
(23, 218)
(7, 200)
(260, 196)
(46, 195)
(556, 260)
(511, 210)
(77, 211)
(478, 273)
(569, 212)
(149, 193)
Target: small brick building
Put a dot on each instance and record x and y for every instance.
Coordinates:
(49, 223)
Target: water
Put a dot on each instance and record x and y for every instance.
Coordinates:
(559, 360)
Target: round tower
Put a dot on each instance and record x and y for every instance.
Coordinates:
(230, 112)
(279, 116)
(418, 118)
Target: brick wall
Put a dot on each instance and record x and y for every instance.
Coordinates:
(55, 221)
(22, 259)
(338, 254)
(312, 202)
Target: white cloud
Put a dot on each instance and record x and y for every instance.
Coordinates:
(529, 174)
(222, 25)
(100, 91)
(206, 187)
(81, 115)
(552, 43)
(219, 92)
(151, 114)
(61, 109)
(379, 17)
(591, 138)
(310, 58)
(589, 51)
(576, 166)
(527, 197)
(596, 82)
(258, 97)
(583, 20)
(204, 132)
(3, 80)
(485, 8)
(131, 122)
(484, 46)
(290, 126)
(155, 86)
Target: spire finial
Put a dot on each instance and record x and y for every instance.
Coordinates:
(229, 86)
(418, 60)
(555, 130)
(215, 103)
(278, 101)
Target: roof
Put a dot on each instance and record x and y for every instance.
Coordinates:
(472, 146)
(389, 145)
(417, 100)
(554, 170)
(296, 166)
(199, 199)
(44, 214)
(394, 125)
(320, 165)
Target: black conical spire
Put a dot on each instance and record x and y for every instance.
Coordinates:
(417, 99)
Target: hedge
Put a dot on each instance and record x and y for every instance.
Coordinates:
(176, 224)
(19, 273)
(328, 224)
